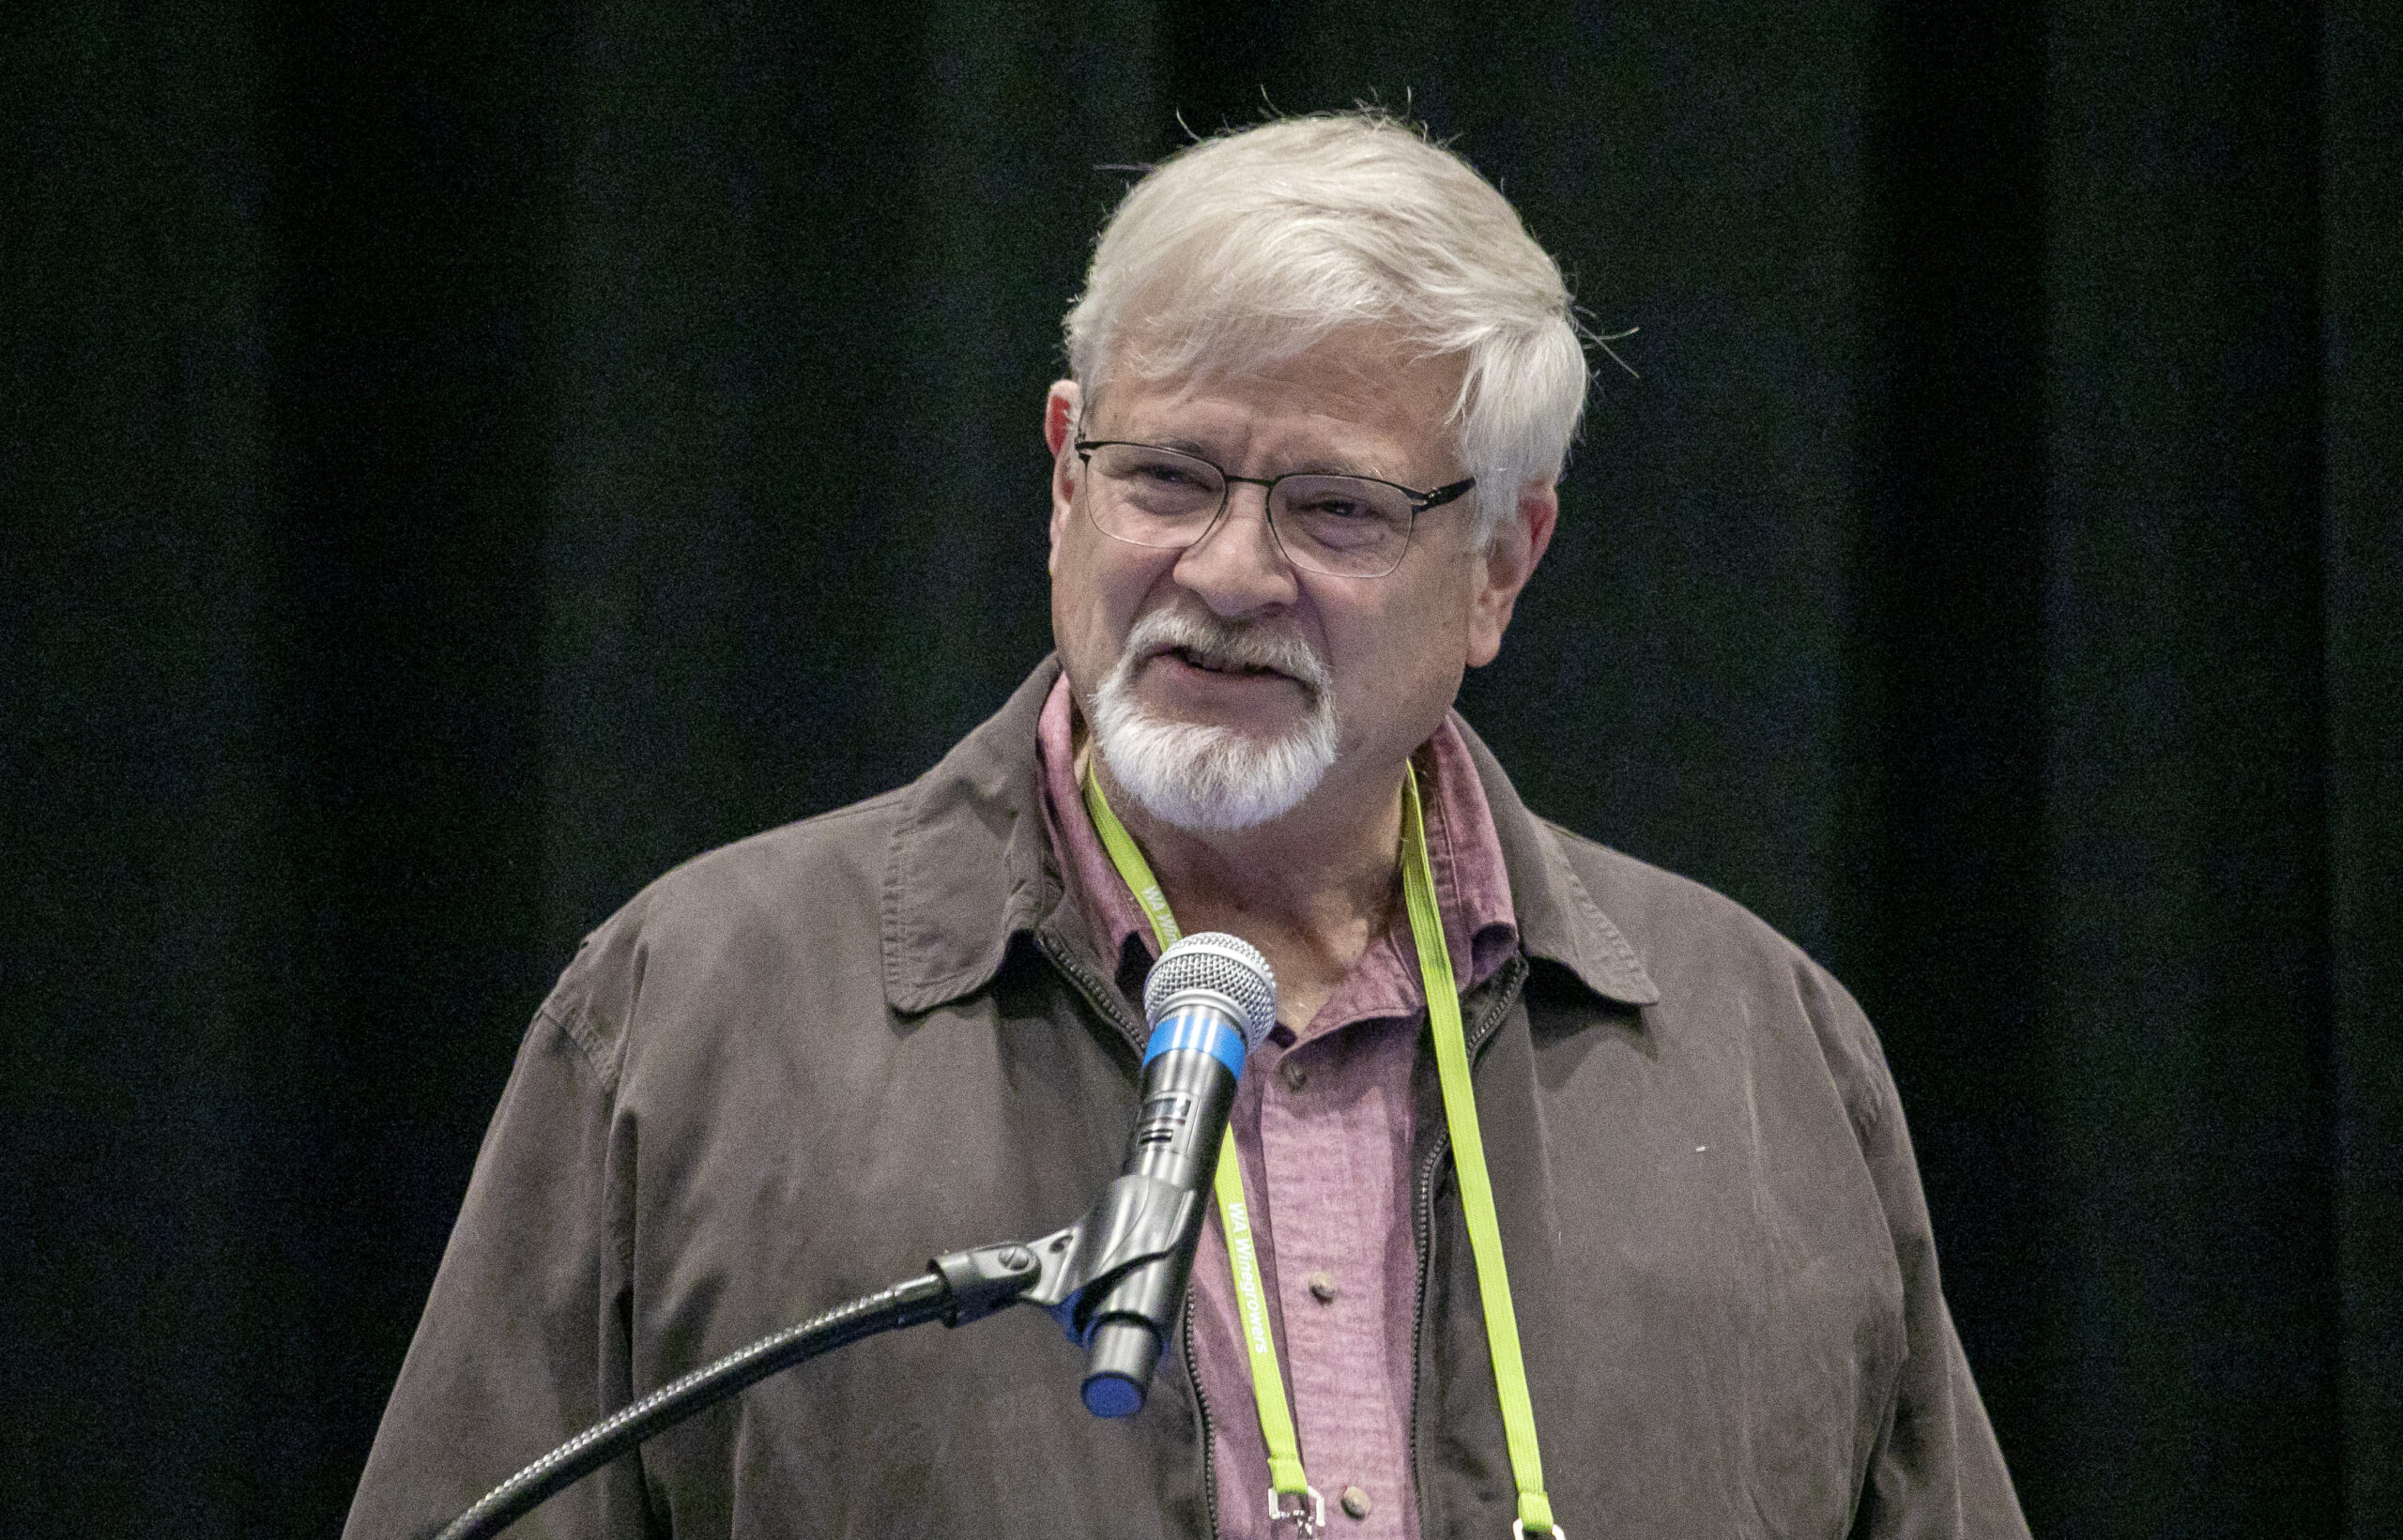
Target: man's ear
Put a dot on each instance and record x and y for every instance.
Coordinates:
(1518, 543)
(1059, 430)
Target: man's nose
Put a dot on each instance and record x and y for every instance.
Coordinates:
(1237, 568)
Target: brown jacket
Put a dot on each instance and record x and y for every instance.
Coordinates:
(790, 1071)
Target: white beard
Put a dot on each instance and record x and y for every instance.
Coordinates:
(1211, 778)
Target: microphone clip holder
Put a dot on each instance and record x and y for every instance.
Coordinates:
(1070, 1272)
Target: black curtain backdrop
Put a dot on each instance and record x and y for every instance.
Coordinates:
(459, 460)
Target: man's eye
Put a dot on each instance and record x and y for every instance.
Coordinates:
(1336, 508)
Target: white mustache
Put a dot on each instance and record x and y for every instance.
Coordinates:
(1223, 645)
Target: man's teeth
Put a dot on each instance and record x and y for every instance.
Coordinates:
(1217, 666)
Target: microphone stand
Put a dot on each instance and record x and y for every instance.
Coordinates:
(1069, 1273)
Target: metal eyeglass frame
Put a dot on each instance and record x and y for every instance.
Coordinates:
(1419, 501)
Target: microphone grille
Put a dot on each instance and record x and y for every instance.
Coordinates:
(1223, 964)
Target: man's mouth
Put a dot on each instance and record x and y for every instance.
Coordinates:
(1229, 652)
(1212, 662)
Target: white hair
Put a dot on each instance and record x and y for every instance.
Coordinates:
(1205, 775)
(1244, 251)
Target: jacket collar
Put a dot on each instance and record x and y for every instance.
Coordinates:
(1558, 920)
(968, 867)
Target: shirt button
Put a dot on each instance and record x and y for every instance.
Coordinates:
(1295, 1076)
(1355, 1501)
(1322, 1288)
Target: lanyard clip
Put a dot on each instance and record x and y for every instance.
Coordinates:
(1308, 1512)
(1519, 1530)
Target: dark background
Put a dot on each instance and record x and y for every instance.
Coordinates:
(461, 460)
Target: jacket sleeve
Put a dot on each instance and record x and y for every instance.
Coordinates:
(1935, 1472)
(524, 1340)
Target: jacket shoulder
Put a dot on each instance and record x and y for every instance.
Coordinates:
(1719, 965)
(1657, 909)
(736, 911)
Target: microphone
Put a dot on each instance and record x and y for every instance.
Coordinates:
(1210, 1000)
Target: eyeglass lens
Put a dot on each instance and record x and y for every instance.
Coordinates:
(1343, 525)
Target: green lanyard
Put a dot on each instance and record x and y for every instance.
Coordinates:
(1291, 1495)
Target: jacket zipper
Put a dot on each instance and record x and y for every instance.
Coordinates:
(1105, 1003)
(1202, 1408)
(1103, 998)
(1423, 1219)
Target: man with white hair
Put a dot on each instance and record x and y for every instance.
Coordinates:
(1572, 1197)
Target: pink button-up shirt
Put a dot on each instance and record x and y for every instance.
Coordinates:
(1323, 1125)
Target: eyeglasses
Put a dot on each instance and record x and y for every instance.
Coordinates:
(1340, 526)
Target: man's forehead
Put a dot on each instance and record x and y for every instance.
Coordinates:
(1360, 377)
(1238, 349)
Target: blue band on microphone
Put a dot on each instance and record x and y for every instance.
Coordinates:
(1204, 1029)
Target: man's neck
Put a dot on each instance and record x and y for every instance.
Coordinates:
(1310, 890)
